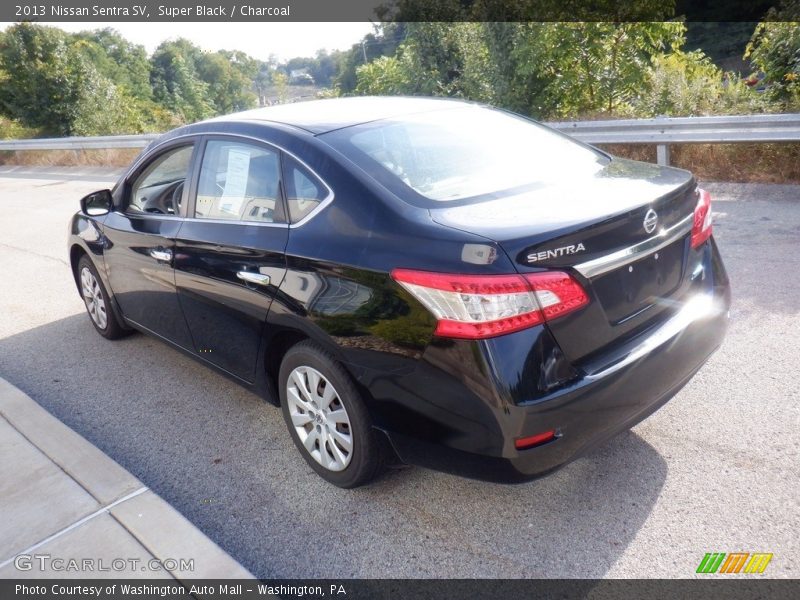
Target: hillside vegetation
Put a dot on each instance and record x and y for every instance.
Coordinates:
(54, 83)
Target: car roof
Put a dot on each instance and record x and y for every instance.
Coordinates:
(322, 116)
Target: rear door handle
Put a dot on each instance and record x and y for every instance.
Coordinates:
(161, 255)
(250, 277)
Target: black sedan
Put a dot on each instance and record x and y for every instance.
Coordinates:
(412, 280)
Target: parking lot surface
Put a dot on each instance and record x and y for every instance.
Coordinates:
(716, 470)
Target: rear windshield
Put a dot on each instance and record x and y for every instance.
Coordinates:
(468, 152)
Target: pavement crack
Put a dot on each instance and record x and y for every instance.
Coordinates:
(26, 251)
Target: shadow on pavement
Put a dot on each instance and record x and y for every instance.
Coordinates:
(222, 457)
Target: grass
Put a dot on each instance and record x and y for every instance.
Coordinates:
(121, 157)
(737, 163)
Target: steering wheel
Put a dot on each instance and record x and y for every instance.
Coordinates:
(175, 199)
(166, 202)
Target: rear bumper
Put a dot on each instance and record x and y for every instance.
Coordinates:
(602, 401)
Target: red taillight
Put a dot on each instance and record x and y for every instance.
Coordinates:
(483, 306)
(535, 440)
(701, 228)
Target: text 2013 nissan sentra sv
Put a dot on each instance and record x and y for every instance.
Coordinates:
(426, 280)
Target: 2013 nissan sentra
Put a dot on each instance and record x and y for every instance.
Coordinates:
(428, 280)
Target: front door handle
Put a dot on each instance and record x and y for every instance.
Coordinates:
(250, 277)
(161, 255)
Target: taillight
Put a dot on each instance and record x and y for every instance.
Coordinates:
(483, 306)
(701, 228)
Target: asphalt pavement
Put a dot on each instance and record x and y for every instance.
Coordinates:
(716, 470)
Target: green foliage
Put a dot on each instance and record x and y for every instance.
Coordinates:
(540, 69)
(385, 41)
(229, 87)
(568, 69)
(123, 63)
(437, 59)
(564, 70)
(13, 130)
(41, 77)
(49, 83)
(280, 81)
(603, 65)
(96, 82)
(774, 50)
(176, 82)
(386, 75)
(496, 11)
(688, 83)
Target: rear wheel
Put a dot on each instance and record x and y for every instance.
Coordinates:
(327, 418)
(97, 301)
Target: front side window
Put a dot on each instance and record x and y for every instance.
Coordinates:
(239, 182)
(159, 187)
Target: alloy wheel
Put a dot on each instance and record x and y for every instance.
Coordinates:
(319, 418)
(93, 297)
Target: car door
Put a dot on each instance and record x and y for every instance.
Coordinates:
(140, 244)
(229, 258)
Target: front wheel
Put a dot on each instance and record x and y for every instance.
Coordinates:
(97, 301)
(327, 418)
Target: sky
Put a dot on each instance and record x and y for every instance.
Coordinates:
(259, 40)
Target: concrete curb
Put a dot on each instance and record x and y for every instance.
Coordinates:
(114, 495)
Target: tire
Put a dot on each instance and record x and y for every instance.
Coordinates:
(98, 302)
(320, 405)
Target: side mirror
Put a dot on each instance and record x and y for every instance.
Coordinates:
(97, 203)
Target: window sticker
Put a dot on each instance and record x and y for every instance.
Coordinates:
(235, 181)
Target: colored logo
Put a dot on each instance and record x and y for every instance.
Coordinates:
(734, 562)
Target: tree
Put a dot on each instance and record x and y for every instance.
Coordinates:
(384, 41)
(517, 55)
(39, 80)
(774, 50)
(281, 82)
(539, 69)
(176, 83)
(441, 59)
(688, 83)
(386, 75)
(591, 67)
(229, 88)
(122, 62)
(50, 84)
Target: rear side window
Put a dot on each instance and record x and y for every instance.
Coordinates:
(239, 182)
(304, 192)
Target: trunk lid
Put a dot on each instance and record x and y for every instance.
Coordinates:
(622, 232)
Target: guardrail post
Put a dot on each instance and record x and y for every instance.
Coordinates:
(662, 154)
(662, 150)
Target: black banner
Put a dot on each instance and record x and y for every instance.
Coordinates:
(181, 11)
(741, 587)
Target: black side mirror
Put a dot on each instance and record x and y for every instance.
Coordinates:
(97, 203)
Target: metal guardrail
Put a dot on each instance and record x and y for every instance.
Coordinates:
(81, 143)
(661, 131)
(664, 131)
